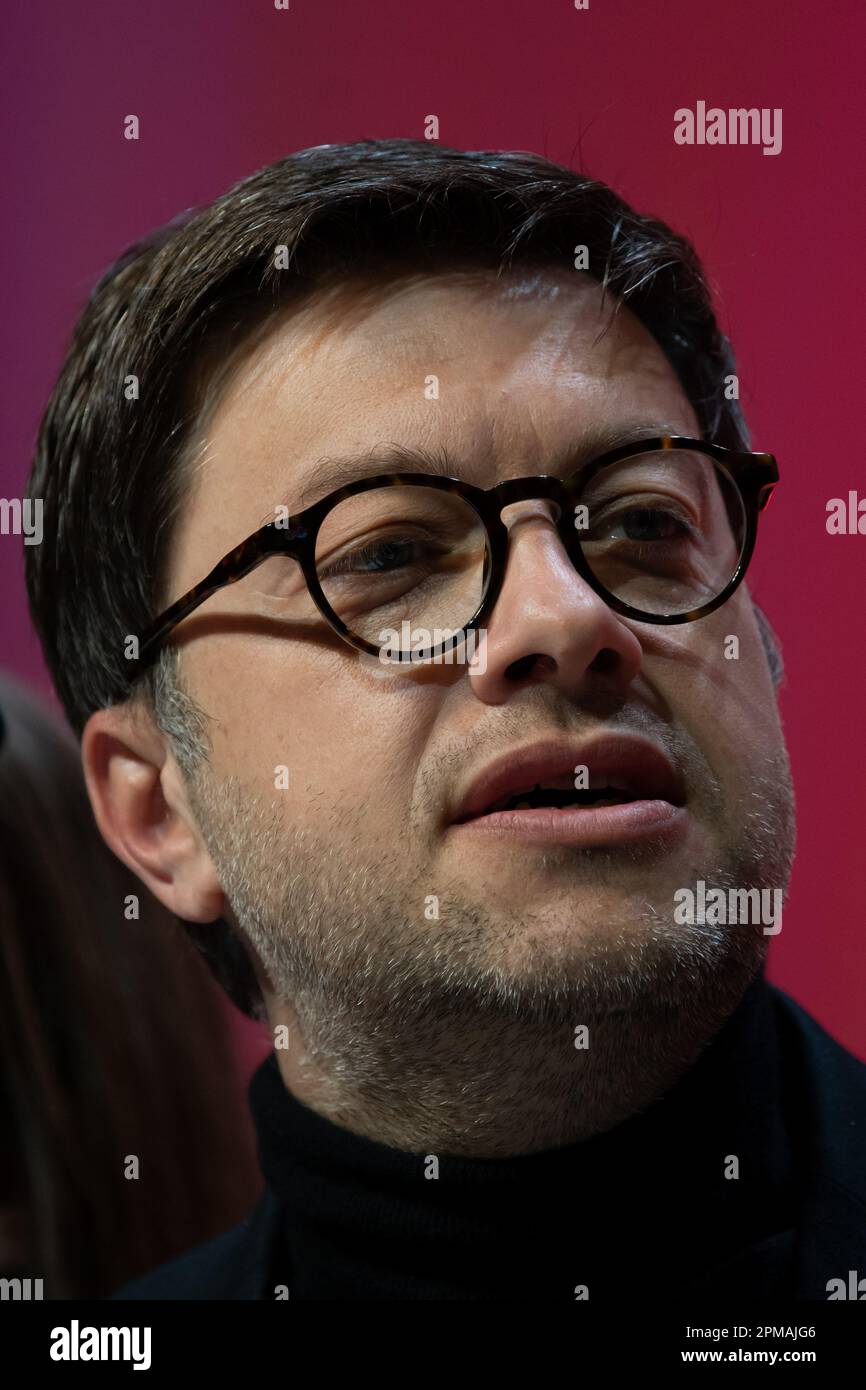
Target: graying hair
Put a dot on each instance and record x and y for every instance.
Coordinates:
(184, 723)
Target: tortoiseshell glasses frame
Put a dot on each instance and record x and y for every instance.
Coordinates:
(754, 476)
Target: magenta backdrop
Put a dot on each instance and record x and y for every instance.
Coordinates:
(224, 86)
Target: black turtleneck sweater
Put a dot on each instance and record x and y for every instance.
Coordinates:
(644, 1210)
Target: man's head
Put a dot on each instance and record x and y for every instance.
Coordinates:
(270, 778)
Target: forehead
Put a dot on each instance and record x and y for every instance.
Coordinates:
(497, 371)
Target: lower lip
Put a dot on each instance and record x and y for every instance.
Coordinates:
(587, 825)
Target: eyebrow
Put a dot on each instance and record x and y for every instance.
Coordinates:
(333, 471)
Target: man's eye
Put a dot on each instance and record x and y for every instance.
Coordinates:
(652, 524)
(384, 555)
(378, 557)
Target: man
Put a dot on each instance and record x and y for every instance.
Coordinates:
(443, 779)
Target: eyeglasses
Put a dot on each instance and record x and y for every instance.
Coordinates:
(662, 530)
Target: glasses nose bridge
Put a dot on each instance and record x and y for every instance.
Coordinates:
(530, 489)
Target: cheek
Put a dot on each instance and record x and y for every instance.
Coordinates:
(314, 724)
(719, 687)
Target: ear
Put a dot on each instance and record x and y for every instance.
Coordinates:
(772, 646)
(140, 803)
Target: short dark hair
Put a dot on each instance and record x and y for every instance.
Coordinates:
(111, 470)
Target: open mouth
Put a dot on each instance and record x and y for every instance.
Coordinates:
(618, 770)
(562, 797)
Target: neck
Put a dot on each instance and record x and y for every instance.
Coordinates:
(653, 1198)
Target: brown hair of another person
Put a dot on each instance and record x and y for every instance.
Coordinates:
(113, 1042)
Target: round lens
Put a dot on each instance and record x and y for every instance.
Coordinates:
(662, 532)
(403, 567)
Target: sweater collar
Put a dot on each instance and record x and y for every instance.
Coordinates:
(653, 1198)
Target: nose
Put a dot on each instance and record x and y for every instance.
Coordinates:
(548, 625)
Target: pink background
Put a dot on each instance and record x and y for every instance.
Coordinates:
(222, 87)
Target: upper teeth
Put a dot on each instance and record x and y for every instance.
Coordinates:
(564, 783)
(568, 783)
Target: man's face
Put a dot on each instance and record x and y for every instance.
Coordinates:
(352, 861)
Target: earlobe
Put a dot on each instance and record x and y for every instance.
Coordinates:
(141, 807)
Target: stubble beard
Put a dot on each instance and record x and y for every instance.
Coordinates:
(457, 1034)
